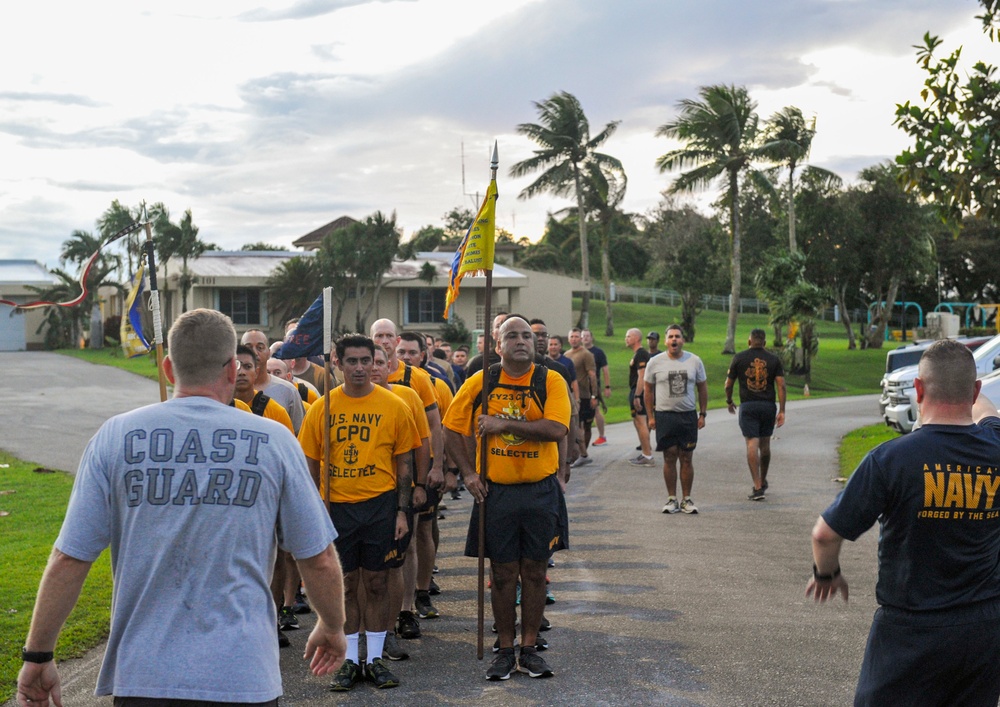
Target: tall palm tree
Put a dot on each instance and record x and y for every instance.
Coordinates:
(567, 154)
(788, 138)
(180, 240)
(604, 195)
(720, 133)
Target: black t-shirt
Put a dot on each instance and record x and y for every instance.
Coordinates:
(639, 360)
(934, 494)
(756, 369)
(476, 363)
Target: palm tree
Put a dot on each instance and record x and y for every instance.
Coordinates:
(180, 240)
(604, 195)
(567, 155)
(788, 139)
(292, 286)
(720, 133)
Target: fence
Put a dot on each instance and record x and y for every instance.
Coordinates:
(671, 298)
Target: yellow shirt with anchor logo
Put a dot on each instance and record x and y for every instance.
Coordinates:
(513, 459)
(366, 435)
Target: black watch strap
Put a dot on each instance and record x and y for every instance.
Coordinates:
(36, 656)
(825, 577)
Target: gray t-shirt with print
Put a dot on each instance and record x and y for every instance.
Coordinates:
(193, 497)
(675, 381)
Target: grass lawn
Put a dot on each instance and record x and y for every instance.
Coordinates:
(34, 504)
(112, 356)
(855, 445)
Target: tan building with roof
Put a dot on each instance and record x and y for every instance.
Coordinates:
(17, 326)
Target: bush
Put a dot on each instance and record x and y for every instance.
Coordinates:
(454, 332)
(113, 330)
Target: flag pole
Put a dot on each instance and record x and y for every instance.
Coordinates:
(327, 373)
(154, 300)
(483, 451)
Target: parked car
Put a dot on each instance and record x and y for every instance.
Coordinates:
(991, 387)
(898, 402)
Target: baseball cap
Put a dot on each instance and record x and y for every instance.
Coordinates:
(653, 335)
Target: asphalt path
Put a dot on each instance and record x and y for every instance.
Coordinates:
(651, 609)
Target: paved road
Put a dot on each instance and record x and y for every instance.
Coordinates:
(651, 609)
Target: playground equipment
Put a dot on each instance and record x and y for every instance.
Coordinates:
(905, 306)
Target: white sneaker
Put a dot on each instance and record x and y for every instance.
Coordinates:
(581, 461)
(641, 460)
(671, 506)
(687, 506)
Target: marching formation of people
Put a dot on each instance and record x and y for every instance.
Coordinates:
(330, 500)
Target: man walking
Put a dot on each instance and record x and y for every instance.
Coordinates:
(935, 639)
(526, 512)
(761, 375)
(636, 390)
(586, 372)
(275, 388)
(603, 392)
(188, 494)
(670, 383)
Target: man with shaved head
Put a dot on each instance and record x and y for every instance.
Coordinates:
(935, 639)
(275, 388)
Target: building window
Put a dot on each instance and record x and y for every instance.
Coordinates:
(425, 305)
(242, 305)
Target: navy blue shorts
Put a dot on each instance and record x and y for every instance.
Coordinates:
(523, 521)
(947, 657)
(676, 429)
(631, 403)
(366, 533)
(757, 418)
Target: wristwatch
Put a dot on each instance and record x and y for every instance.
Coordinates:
(36, 656)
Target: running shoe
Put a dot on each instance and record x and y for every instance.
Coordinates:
(756, 495)
(517, 601)
(496, 644)
(407, 625)
(422, 603)
(434, 589)
(763, 484)
(582, 461)
(641, 460)
(546, 625)
(347, 676)
(283, 641)
(362, 648)
(550, 598)
(391, 649)
(600, 442)
(541, 644)
(378, 673)
(301, 605)
(671, 506)
(287, 620)
(533, 664)
(503, 665)
(687, 506)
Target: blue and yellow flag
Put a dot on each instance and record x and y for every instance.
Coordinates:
(475, 253)
(133, 342)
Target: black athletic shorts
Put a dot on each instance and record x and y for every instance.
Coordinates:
(757, 418)
(523, 521)
(366, 532)
(946, 657)
(403, 544)
(631, 403)
(676, 429)
(429, 510)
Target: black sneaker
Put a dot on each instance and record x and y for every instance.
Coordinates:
(425, 609)
(533, 664)
(407, 625)
(301, 605)
(362, 648)
(756, 495)
(379, 674)
(434, 589)
(546, 624)
(456, 495)
(496, 644)
(503, 665)
(347, 676)
(763, 484)
(283, 641)
(287, 620)
(541, 644)
(391, 649)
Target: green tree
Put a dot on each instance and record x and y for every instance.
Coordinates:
(293, 286)
(604, 192)
(953, 161)
(720, 136)
(261, 246)
(688, 251)
(802, 302)
(567, 157)
(180, 240)
(788, 138)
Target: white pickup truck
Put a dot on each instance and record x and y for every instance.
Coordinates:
(898, 403)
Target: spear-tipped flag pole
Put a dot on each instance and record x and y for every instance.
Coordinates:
(154, 303)
(475, 255)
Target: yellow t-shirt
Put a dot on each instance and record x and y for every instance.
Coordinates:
(366, 435)
(272, 411)
(420, 381)
(412, 400)
(444, 395)
(513, 459)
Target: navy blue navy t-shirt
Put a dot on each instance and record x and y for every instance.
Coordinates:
(935, 495)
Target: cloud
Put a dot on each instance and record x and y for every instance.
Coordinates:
(68, 99)
(306, 9)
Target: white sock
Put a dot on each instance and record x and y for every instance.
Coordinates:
(376, 641)
(352, 647)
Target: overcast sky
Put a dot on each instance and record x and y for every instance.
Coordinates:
(269, 121)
